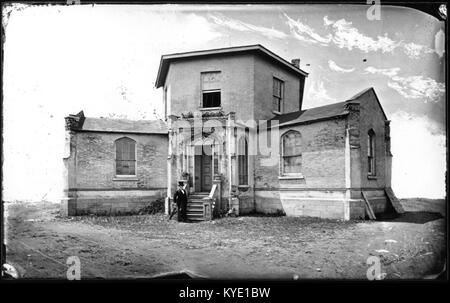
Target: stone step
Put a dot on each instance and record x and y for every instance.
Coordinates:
(197, 197)
(194, 211)
(195, 207)
(197, 201)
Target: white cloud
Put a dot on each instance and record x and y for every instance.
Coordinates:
(238, 25)
(415, 51)
(390, 72)
(411, 87)
(347, 36)
(318, 94)
(304, 32)
(419, 157)
(418, 87)
(333, 66)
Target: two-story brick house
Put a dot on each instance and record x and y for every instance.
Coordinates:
(236, 133)
(223, 105)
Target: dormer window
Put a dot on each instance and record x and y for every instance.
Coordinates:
(211, 89)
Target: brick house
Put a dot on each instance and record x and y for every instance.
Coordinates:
(113, 166)
(237, 136)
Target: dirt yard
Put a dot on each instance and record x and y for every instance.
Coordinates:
(39, 243)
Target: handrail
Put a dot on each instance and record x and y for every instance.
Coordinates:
(213, 191)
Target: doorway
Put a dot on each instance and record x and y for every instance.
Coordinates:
(203, 170)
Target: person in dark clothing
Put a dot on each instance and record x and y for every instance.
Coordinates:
(180, 198)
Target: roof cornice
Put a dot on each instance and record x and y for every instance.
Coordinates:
(165, 59)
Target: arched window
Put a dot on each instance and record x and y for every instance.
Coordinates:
(291, 153)
(371, 161)
(125, 157)
(243, 160)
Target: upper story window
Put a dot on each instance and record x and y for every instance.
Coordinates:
(125, 157)
(291, 153)
(371, 153)
(211, 89)
(278, 95)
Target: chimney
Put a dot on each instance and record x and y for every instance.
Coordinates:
(296, 62)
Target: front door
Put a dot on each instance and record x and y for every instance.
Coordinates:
(206, 172)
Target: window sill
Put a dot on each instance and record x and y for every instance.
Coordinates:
(296, 177)
(210, 108)
(372, 177)
(125, 178)
(276, 112)
(243, 186)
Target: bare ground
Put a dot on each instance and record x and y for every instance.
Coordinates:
(39, 243)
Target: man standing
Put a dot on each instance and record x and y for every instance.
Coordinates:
(180, 198)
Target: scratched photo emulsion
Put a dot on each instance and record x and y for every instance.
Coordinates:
(223, 142)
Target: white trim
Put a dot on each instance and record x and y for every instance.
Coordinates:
(125, 178)
(135, 159)
(281, 158)
(291, 177)
(210, 108)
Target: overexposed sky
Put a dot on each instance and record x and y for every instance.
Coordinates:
(103, 59)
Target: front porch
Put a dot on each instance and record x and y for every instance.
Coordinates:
(205, 160)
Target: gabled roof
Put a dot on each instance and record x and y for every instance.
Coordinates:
(259, 49)
(81, 123)
(322, 112)
(312, 114)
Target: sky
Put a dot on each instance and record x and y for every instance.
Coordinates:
(103, 59)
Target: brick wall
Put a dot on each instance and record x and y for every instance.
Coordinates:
(323, 158)
(371, 117)
(184, 84)
(95, 161)
(323, 169)
(265, 70)
(91, 182)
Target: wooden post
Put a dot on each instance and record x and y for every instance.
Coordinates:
(368, 207)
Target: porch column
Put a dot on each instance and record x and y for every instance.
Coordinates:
(231, 154)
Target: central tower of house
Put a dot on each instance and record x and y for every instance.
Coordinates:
(224, 106)
(209, 98)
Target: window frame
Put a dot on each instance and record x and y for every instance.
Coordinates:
(371, 154)
(246, 161)
(283, 173)
(280, 97)
(116, 160)
(219, 90)
(211, 91)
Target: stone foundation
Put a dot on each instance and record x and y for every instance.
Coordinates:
(328, 204)
(81, 202)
